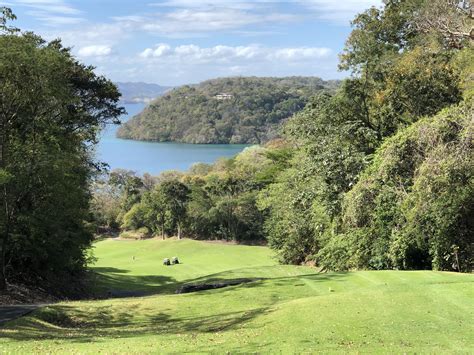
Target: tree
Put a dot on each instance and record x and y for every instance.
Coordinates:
(452, 19)
(176, 196)
(287, 207)
(389, 57)
(156, 212)
(51, 109)
(413, 206)
(106, 204)
(399, 75)
(6, 15)
(130, 187)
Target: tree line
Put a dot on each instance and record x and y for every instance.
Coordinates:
(51, 110)
(375, 175)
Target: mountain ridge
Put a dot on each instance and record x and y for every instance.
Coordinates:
(140, 92)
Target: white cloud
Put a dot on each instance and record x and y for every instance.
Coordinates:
(302, 53)
(196, 21)
(95, 51)
(51, 20)
(231, 4)
(159, 51)
(52, 6)
(338, 11)
(89, 35)
(216, 20)
(232, 54)
(191, 64)
(51, 12)
(181, 64)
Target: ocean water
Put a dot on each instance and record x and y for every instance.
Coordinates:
(154, 158)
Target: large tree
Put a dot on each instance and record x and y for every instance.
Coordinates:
(453, 20)
(414, 206)
(175, 196)
(399, 74)
(51, 110)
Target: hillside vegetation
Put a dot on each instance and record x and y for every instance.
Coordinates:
(291, 309)
(251, 113)
(375, 175)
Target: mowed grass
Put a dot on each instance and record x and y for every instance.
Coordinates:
(127, 265)
(290, 310)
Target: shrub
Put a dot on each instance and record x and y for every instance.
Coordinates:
(414, 206)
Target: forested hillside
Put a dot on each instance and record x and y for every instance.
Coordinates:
(376, 175)
(226, 110)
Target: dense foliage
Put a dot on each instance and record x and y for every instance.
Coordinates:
(252, 113)
(413, 207)
(51, 108)
(208, 202)
(377, 174)
(348, 217)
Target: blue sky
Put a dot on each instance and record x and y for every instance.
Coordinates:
(174, 42)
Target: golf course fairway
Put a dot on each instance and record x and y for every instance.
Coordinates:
(286, 309)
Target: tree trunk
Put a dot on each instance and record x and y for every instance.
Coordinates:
(179, 230)
(163, 232)
(457, 260)
(4, 241)
(2, 142)
(3, 276)
(4, 233)
(5, 237)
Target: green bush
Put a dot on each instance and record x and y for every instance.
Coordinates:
(414, 206)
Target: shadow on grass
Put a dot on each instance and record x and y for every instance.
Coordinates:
(114, 282)
(104, 270)
(93, 323)
(257, 281)
(68, 323)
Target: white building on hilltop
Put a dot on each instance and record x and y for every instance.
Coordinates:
(224, 96)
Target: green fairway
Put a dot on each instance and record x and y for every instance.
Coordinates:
(291, 309)
(138, 265)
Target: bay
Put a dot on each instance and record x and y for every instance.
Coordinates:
(153, 157)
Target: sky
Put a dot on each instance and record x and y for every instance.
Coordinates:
(176, 42)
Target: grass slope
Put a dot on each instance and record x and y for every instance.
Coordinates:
(293, 310)
(138, 265)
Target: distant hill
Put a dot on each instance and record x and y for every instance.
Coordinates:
(140, 92)
(225, 110)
